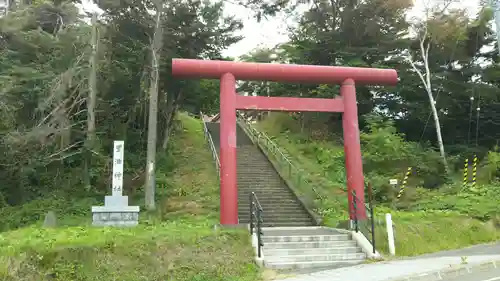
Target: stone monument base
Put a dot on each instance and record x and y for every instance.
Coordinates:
(115, 215)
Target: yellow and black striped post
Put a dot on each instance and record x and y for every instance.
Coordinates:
(474, 171)
(466, 171)
(403, 184)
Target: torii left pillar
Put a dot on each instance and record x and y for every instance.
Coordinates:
(228, 72)
(228, 179)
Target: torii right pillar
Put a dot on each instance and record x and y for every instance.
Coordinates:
(352, 148)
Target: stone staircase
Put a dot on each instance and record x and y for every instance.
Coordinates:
(309, 247)
(291, 239)
(256, 174)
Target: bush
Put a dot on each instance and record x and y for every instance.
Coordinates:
(75, 212)
(492, 166)
(387, 155)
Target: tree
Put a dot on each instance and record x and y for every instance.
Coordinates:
(57, 105)
(349, 33)
(91, 101)
(156, 46)
(436, 28)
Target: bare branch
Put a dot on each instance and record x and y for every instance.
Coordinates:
(64, 149)
(419, 73)
(426, 64)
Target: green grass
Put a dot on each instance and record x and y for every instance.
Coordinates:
(420, 232)
(178, 242)
(426, 221)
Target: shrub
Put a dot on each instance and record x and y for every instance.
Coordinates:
(387, 155)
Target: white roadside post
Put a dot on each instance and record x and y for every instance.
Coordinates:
(390, 234)
(116, 211)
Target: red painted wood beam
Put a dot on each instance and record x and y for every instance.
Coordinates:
(289, 104)
(191, 68)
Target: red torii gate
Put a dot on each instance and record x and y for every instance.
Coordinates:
(228, 72)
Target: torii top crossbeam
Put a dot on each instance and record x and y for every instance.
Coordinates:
(319, 74)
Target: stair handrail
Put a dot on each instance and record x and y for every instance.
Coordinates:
(370, 225)
(211, 145)
(256, 215)
(270, 147)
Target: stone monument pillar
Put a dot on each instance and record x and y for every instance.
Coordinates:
(116, 211)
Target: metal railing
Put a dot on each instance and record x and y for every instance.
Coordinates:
(256, 221)
(210, 141)
(369, 225)
(285, 166)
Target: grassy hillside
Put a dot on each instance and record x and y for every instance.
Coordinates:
(177, 243)
(426, 219)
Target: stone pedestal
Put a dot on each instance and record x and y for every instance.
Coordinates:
(115, 212)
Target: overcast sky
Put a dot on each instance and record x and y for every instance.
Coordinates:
(269, 33)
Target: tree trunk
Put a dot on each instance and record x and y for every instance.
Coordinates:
(153, 109)
(428, 86)
(438, 129)
(426, 81)
(169, 116)
(91, 103)
(169, 127)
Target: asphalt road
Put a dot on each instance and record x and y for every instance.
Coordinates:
(490, 275)
(477, 250)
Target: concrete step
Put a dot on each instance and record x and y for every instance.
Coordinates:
(290, 215)
(245, 191)
(306, 238)
(262, 184)
(311, 251)
(263, 201)
(286, 224)
(254, 162)
(252, 170)
(271, 213)
(276, 206)
(276, 210)
(272, 201)
(301, 231)
(246, 172)
(273, 221)
(307, 245)
(273, 205)
(290, 201)
(315, 257)
(263, 195)
(285, 208)
(260, 177)
(263, 188)
(315, 264)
